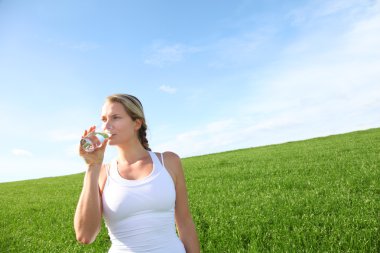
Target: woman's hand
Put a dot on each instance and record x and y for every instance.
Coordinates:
(95, 157)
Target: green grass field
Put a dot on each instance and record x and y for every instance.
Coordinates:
(318, 195)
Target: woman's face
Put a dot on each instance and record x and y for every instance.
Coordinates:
(119, 124)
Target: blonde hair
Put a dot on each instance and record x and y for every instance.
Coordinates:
(135, 110)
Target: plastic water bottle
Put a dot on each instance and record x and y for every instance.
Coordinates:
(89, 142)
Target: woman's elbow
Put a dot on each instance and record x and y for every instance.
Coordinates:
(85, 234)
(83, 239)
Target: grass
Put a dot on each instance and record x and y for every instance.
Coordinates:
(318, 195)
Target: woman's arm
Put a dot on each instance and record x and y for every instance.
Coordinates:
(184, 221)
(88, 215)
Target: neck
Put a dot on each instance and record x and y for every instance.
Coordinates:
(131, 153)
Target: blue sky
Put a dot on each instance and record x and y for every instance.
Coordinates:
(212, 75)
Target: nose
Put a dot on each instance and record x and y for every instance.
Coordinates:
(107, 126)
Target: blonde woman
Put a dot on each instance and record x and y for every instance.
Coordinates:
(141, 195)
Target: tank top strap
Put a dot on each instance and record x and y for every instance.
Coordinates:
(108, 167)
(112, 168)
(162, 160)
(156, 161)
(116, 177)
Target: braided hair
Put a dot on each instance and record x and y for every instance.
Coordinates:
(135, 110)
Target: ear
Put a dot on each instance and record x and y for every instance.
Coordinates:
(138, 124)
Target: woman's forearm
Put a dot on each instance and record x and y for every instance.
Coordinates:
(189, 237)
(87, 220)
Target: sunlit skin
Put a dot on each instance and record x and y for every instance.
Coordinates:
(121, 126)
(133, 160)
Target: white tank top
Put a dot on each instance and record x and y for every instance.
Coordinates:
(139, 214)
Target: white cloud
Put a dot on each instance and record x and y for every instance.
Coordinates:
(161, 55)
(168, 89)
(232, 133)
(21, 152)
(364, 38)
(315, 10)
(329, 90)
(333, 7)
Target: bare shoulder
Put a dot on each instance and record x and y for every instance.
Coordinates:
(171, 156)
(172, 160)
(173, 164)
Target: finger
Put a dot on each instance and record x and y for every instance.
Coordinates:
(80, 148)
(104, 145)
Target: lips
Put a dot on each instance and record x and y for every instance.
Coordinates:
(109, 134)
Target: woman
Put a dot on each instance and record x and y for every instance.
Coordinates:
(141, 195)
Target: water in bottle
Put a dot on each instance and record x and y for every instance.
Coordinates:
(93, 141)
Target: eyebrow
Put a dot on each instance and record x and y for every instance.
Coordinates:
(112, 115)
